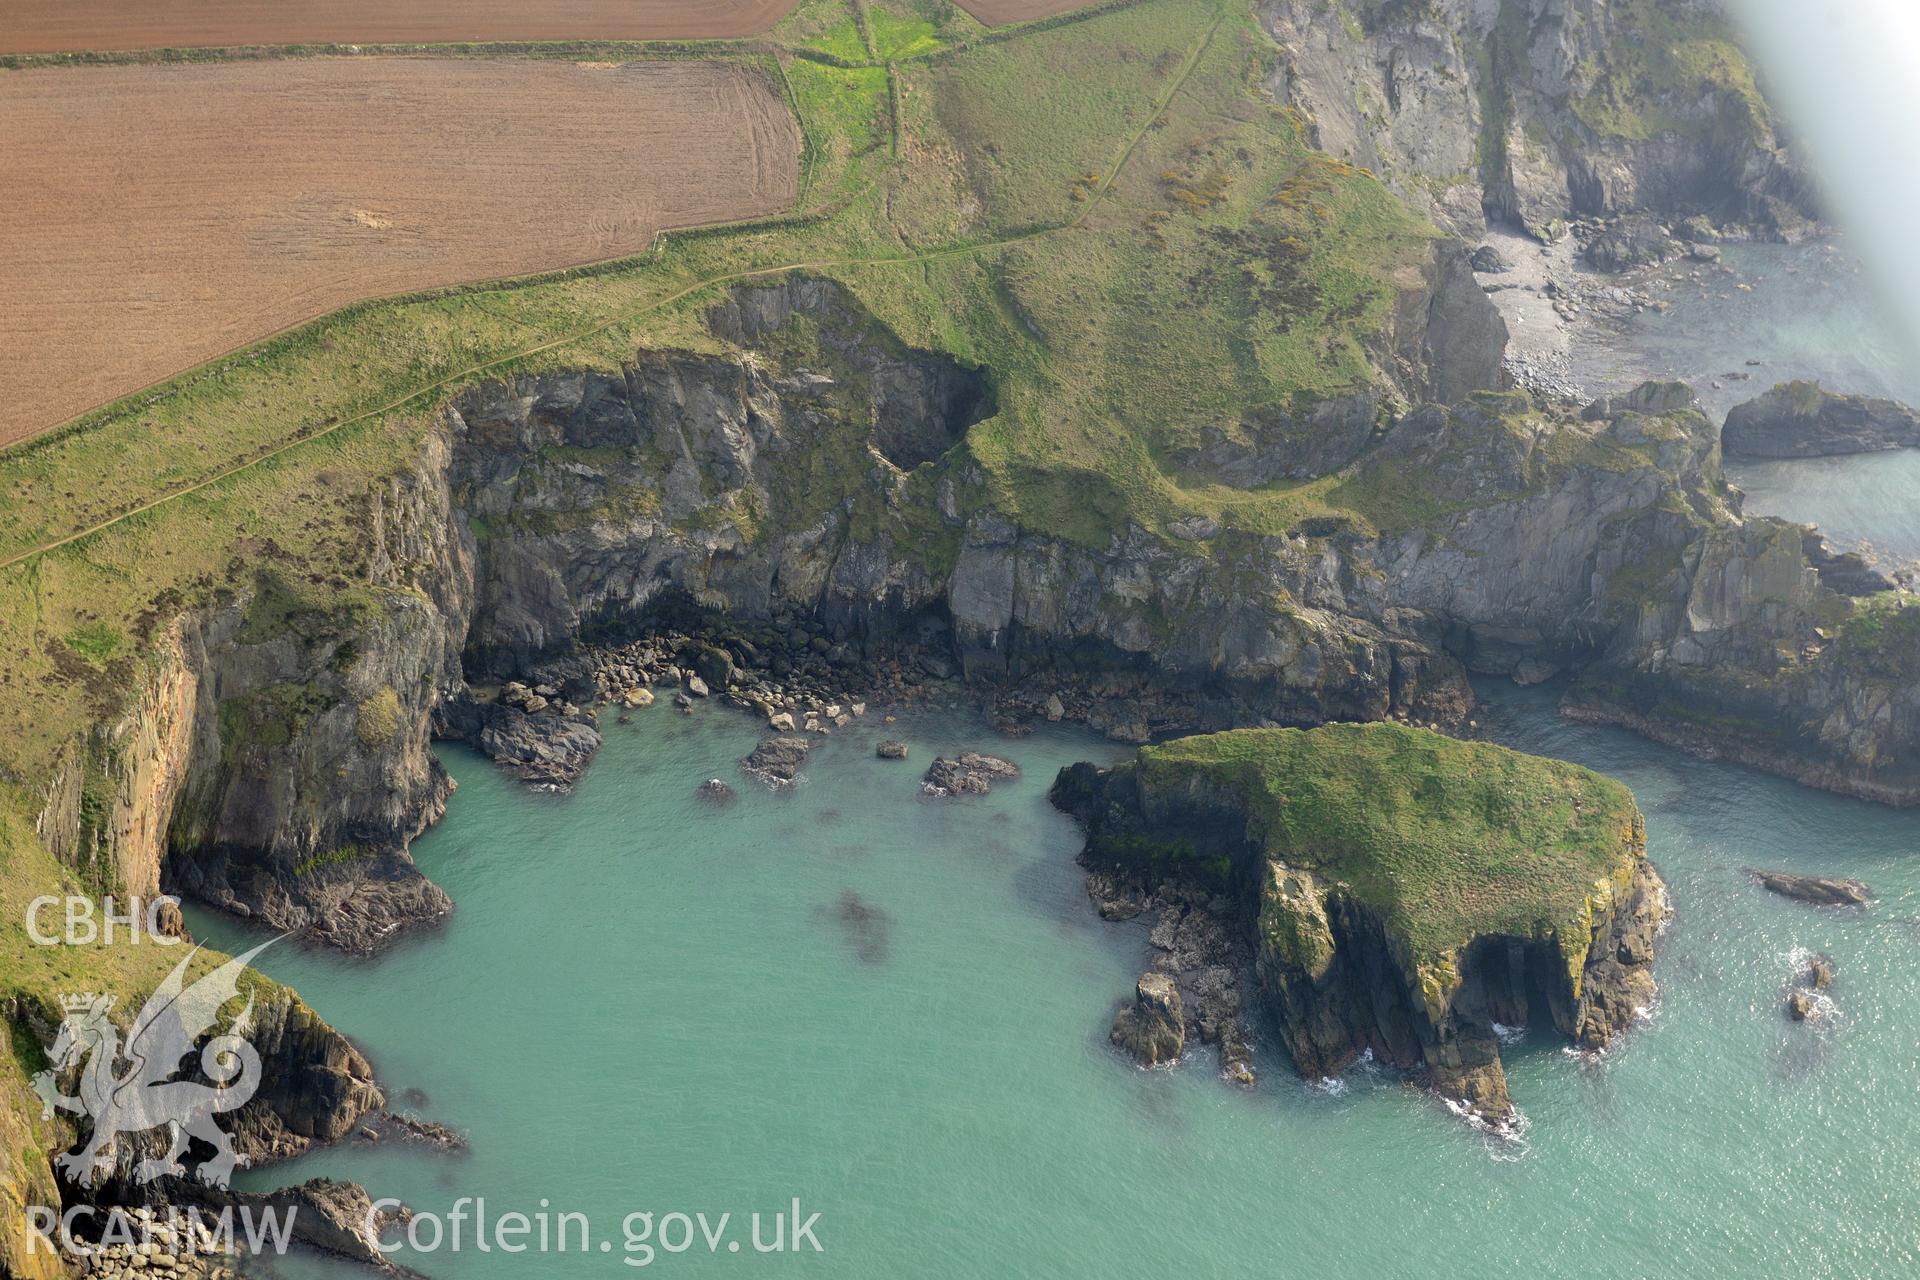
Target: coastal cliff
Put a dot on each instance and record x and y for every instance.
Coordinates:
(259, 737)
(1537, 112)
(274, 760)
(1405, 892)
(808, 464)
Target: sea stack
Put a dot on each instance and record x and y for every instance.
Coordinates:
(1406, 891)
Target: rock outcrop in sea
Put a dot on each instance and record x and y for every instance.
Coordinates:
(969, 773)
(1403, 891)
(1821, 891)
(1804, 420)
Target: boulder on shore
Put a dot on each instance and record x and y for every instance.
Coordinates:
(1629, 243)
(543, 749)
(1151, 1028)
(1804, 420)
(1489, 261)
(1819, 890)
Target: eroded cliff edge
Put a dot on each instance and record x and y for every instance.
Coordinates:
(1405, 891)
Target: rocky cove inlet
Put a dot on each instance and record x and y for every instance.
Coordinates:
(896, 1008)
(780, 603)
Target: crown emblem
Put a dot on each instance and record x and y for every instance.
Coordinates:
(82, 1001)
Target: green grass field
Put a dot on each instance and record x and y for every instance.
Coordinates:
(1446, 840)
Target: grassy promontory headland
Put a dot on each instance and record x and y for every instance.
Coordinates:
(1406, 890)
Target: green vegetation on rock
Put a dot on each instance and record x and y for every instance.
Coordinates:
(1660, 67)
(1447, 841)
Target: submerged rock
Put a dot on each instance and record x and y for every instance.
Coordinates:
(867, 928)
(1406, 890)
(715, 790)
(1815, 889)
(1150, 1028)
(778, 760)
(891, 749)
(969, 773)
(1804, 420)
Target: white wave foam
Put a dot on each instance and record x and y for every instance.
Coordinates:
(1506, 1139)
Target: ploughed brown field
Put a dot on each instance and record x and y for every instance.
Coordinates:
(158, 216)
(998, 12)
(73, 26)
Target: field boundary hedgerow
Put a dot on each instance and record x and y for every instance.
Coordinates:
(327, 427)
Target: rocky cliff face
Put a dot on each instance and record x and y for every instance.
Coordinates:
(275, 764)
(307, 770)
(1533, 112)
(281, 745)
(1753, 647)
(762, 481)
(1341, 986)
(1346, 845)
(767, 478)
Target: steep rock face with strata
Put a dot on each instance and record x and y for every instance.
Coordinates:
(1407, 892)
(310, 769)
(1495, 535)
(1746, 647)
(1537, 111)
(276, 761)
(702, 475)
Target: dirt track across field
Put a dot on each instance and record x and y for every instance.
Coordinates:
(999, 12)
(74, 26)
(158, 216)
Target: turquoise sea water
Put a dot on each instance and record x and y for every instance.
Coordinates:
(895, 1009)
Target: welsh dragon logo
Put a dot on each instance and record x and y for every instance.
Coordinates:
(143, 1094)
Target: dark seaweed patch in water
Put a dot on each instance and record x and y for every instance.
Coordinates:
(866, 928)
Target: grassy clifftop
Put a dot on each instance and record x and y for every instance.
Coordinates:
(1108, 213)
(1447, 841)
